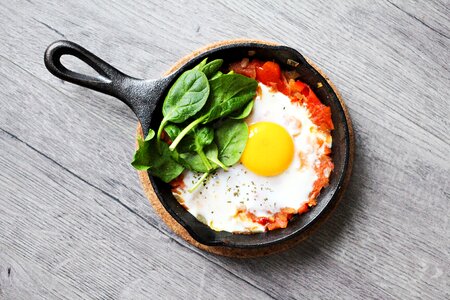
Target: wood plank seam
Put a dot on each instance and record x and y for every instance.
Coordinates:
(164, 232)
(419, 20)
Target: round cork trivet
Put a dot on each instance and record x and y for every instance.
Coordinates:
(237, 252)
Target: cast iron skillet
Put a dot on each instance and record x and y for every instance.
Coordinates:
(145, 98)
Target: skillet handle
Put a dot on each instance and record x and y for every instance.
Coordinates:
(108, 81)
(140, 95)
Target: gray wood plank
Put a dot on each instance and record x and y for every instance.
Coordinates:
(68, 193)
(63, 239)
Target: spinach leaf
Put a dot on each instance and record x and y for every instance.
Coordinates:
(159, 164)
(141, 160)
(194, 162)
(228, 93)
(203, 136)
(243, 114)
(218, 74)
(196, 139)
(231, 138)
(172, 131)
(150, 136)
(200, 65)
(212, 153)
(190, 152)
(187, 144)
(185, 98)
(211, 68)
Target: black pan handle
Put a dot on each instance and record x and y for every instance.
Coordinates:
(108, 79)
(140, 95)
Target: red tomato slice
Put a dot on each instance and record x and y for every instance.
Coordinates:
(268, 73)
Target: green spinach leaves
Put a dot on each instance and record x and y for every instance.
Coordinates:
(158, 163)
(203, 119)
(185, 98)
(210, 69)
(229, 93)
(231, 138)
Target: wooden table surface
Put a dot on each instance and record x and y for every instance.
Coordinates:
(75, 224)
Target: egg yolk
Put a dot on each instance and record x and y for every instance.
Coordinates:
(269, 150)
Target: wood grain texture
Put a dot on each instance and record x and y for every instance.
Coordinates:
(74, 221)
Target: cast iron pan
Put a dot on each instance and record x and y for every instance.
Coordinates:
(145, 98)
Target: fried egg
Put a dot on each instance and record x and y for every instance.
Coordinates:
(276, 170)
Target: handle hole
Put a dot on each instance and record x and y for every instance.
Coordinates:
(76, 65)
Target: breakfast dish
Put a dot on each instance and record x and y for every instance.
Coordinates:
(207, 110)
(249, 160)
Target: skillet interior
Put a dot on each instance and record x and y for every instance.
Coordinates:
(340, 151)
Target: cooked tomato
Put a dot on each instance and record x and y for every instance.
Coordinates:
(281, 221)
(303, 92)
(268, 73)
(322, 180)
(178, 182)
(262, 220)
(320, 114)
(246, 67)
(304, 208)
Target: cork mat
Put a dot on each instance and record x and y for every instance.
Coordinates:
(236, 252)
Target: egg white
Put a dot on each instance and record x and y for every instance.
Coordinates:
(225, 193)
